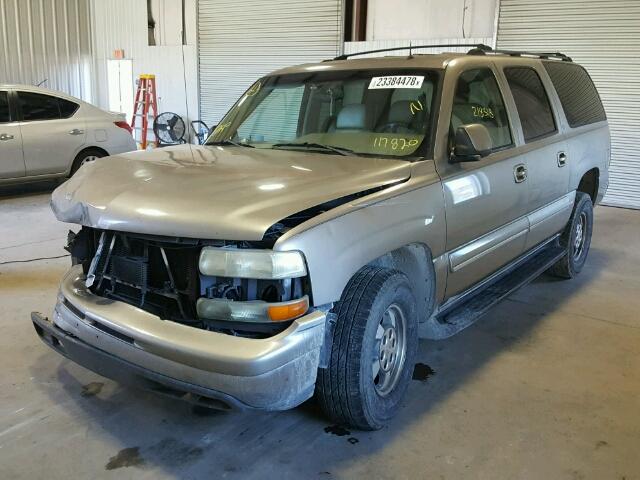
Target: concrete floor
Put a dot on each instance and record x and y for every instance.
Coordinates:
(547, 385)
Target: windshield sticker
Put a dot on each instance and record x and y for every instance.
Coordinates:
(255, 88)
(482, 112)
(397, 81)
(221, 127)
(395, 143)
(415, 106)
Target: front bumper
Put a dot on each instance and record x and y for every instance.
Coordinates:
(132, 346)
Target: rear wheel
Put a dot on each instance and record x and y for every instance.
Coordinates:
(374, 347)
(576, 238)
(88, 155)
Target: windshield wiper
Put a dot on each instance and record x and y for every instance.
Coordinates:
(317, 146)
(231, 142)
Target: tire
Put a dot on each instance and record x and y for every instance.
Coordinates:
(84, 156)
(377, 308)
(576, 238)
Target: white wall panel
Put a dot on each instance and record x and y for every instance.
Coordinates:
(408, 19)
(604, 37)
(47, 41)
(122, 24)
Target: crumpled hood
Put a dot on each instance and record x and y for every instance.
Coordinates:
(212, 192)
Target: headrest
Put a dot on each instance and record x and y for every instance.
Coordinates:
(400, 112)
(351, 117)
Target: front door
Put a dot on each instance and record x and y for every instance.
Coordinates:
(11, 161)
(50, 140)
(485, 201)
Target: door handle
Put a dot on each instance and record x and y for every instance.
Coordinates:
(76, 131)
(562, 159)
(5, 136)
(520, 173)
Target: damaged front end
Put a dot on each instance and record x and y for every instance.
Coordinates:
(187, 281)
(222, 324)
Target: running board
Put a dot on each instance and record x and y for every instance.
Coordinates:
(455, 319)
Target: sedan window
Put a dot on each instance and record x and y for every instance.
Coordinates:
(4, 107)
(36, 106)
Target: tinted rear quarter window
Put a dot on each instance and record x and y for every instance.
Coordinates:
(67, 108)
(36, 106)
(4, 107)
(532, 102)
(578, 94)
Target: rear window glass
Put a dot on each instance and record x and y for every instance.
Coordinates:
(67, 108)
(578, 94)
(4, 107)
(532, 102)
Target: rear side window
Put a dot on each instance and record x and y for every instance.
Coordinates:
(532, 102)
(578, 94)
(36, 106)
(4, 107)
(67, 108)
(478, 100)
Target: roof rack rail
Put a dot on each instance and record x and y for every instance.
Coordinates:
(478, 46)
(518, 53)
(475, 49)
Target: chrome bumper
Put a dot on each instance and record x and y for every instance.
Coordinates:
(276, 373)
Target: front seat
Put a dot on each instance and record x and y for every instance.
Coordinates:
(352, 118)
(400, 119)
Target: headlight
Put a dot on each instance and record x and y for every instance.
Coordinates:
(247, 263)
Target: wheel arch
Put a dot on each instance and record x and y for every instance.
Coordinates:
(416, 262)
(83, 150)
(590, 183)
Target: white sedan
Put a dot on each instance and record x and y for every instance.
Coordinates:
(46, 134)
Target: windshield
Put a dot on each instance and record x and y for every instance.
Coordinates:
(366, 112)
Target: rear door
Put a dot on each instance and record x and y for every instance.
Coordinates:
(485, 201)
(52, 132)
(11, 161)
(543, 148)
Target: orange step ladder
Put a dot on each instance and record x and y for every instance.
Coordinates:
(145, 103)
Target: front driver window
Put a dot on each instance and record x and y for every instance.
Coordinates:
(478, 100)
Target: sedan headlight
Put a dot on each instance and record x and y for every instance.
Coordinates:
(248, 263)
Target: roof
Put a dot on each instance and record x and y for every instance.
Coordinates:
(33, 88)
(419, 60)
(436, 61)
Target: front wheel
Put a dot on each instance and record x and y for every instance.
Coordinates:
(373, 351)
(576, 238)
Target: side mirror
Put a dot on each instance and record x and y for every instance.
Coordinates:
(472, 142)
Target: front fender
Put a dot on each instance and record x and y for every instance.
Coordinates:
(342, 241)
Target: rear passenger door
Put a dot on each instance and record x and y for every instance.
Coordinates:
(544, 150)
(485, 201)
(52, 133)
(11, 162)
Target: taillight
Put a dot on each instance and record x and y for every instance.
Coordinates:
(124, 125)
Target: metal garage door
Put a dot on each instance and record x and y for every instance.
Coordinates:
(604, 37)
(239, 41)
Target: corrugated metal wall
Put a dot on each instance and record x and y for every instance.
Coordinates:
(47, 40)
(604, 37)
(240, 41)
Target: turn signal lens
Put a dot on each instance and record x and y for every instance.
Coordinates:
(288, 311)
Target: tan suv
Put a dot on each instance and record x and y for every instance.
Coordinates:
(339, 212)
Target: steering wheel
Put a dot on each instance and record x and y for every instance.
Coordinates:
(393, 127)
